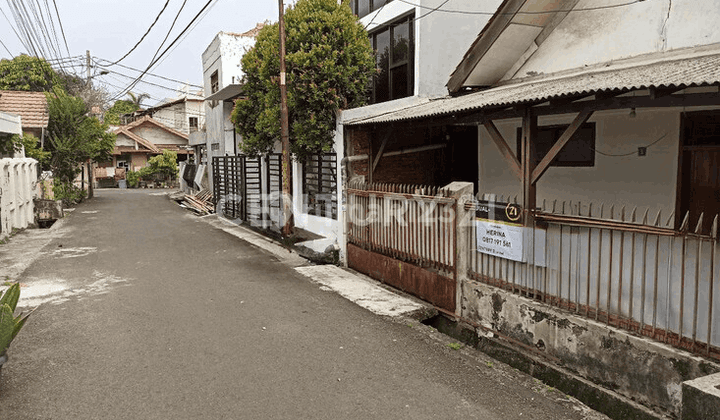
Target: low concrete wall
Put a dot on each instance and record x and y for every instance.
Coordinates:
(640, 369)
(701, 398)
(18, 182)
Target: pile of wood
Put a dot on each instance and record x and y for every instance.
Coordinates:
(200, 202)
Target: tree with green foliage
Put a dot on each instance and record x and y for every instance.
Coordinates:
(329, 62)
(28, 74)
(74, 138)
(161, 167)
(120, 107)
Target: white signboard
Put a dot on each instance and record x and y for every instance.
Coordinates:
(500, 239)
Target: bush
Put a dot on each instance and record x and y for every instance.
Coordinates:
(133, 178)
(68, 193)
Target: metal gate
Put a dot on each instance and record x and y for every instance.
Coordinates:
(249, 189)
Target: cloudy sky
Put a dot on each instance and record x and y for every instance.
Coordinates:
(109, 29)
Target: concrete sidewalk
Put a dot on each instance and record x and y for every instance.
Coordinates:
(148, 312)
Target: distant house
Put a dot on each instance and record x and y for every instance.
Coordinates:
(32, 109)
(185, 114)
(137, 142)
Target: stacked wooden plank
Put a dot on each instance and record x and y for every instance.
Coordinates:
(200, 202)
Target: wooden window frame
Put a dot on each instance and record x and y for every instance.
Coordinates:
(540, 152)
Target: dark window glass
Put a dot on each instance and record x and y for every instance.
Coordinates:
(579, 151)
(214, 82)
(394, 57)
(382, 84)
(399, 81)
(363, 7)
(401, 42)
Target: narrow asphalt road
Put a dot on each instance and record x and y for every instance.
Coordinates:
(156, 314)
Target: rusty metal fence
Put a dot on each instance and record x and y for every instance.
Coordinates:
(411, 223)
(629, 269)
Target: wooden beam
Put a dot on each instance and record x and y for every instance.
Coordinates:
(529, 136)
(656, 93)
(382, 149)
(559, 144)
(505, 150)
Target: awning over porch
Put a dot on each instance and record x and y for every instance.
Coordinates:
(228, 92)
(685, 68)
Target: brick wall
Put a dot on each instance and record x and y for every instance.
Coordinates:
(426, 168)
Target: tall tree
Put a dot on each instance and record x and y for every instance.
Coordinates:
(28, 73)
(329, 63)
(74, 138)
(137, 99)
(120, 107)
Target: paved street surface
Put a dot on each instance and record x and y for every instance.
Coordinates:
(149, 312)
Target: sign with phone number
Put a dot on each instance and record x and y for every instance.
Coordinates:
(499, 229)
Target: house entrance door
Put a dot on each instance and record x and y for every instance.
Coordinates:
(699, 191)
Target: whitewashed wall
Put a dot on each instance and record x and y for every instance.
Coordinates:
(18, 179)
(643, 181)
(585, 38)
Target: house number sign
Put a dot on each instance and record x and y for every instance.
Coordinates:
(499, 229)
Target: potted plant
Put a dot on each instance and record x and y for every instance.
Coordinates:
(9, 324)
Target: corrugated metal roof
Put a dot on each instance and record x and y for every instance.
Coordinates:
(31, 106)
(657, 71)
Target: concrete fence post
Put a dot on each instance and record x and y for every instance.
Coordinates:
(462, 192)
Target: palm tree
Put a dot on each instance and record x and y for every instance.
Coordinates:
(137, 99)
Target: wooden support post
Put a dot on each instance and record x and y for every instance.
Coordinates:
(544, 164)
(529, 135)
(505, 150)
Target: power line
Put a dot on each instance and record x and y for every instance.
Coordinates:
(6, 48)
(62, 30)
(167, 49)
(98, 62)
(169, 30)
(144, 35)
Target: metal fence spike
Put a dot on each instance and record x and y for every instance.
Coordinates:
(698, 227)
(713, 228)
(554, 205)
(670, 219)
(590, 209)
(633, 214)
(612, 211)
(685, 222)
(622, 214)
(602, 209)
(645, 216)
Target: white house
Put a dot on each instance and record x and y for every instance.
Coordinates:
(222, 76)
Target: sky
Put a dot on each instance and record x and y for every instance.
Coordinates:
(109, 29)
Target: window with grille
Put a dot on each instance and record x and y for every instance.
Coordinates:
(394, 55)
(193, 123)
(320, 185)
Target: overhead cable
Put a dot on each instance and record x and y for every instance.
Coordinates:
(144, 35)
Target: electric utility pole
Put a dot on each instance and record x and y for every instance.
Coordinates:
(89, 164)
(284, 132)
